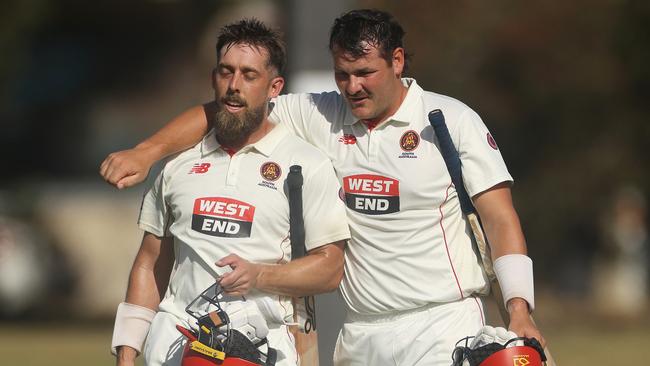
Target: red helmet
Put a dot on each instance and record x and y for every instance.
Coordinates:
(517, 356)
(495, 354)
(215, 342)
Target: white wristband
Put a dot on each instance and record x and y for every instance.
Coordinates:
(131, 326)
(515, 275)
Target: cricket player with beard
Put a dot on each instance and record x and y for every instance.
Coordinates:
(412, 280)
(219, 211)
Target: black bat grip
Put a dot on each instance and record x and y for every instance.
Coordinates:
(451, 157)
(296, 221)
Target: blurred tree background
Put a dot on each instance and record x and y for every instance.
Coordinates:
(563, 86)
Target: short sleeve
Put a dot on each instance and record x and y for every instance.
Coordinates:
(293, 111)
(154, 213)
(323, 210)
(482, 164)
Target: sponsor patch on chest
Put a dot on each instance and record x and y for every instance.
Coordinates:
(224, 217)
(371, 194)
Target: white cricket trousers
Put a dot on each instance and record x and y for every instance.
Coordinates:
(422, 336)
(165, 344)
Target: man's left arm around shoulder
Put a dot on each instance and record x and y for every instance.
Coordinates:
(509, 254)
(321, 270)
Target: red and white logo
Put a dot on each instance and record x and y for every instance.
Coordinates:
(224, 217)
(348, 139)
(199, 168)
(492, 142)
(371, 194)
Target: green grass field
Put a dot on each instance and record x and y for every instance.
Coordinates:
(55, 345)
(576, 337)
(66, 346)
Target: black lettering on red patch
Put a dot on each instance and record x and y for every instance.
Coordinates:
(371, 194)
(270, 171)
(224, 217)
(409, 140)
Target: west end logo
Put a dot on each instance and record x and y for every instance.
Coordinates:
(224, 217)
(371, 194)
(270, 171)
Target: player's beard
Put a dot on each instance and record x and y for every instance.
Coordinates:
(232, 130)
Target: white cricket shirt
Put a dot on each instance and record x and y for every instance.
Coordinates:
(214, 204)
(410, 243)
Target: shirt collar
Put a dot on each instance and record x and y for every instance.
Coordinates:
(266, 145)
(405, 113)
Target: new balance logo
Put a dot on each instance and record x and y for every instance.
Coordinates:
(199, 168)
(348, 139)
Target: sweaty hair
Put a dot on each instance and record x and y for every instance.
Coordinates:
(355, 30)
(254, 33)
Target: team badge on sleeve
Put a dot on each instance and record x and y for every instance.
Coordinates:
(270, 171)
(492, 142)
(224, 217)
(371, 194)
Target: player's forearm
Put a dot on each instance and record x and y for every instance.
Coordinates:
(150, 273)
(318, 272)
(142, 289)
(500, 221)
(182, 132)
(505, 235)
(126, 355)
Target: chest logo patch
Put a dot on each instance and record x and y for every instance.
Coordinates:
(348, 139)
(223, 217)
(371, 194)
(270, 171)
(199, 168)
(409, 140)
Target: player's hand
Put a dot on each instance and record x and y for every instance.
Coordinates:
(521, 322)
(127, 168)
(242, 278)
(126, 356)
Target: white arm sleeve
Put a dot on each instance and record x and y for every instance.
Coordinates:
(483, 165)
(154, 212)
(323, 210)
